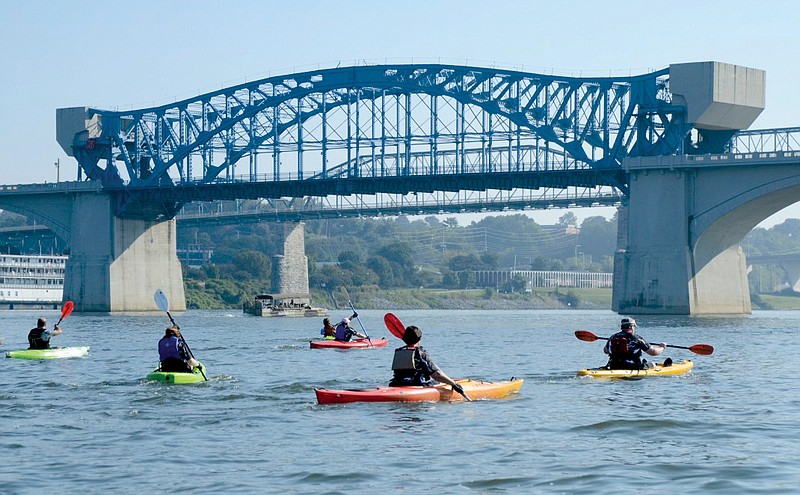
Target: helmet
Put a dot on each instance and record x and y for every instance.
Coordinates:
(627, 323)
(346, 321)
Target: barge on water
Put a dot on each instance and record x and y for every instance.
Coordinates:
(292, 305)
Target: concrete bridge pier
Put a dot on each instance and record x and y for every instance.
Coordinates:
(665, 266)
(116, 264)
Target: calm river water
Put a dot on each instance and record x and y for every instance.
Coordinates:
(94, 425)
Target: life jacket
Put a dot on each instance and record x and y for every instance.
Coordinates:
(343, 333)
(404, 359)
(169, 348)
(621, 356)
(619, 348)
(405, 369)
(35, 340)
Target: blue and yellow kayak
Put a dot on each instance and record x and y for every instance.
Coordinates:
(52, 353)
(676, 368)
(178, 377)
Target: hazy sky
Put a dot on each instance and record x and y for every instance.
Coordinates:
(137, 54)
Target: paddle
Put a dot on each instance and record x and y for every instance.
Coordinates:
(394, 325)
(163, 304)
(347, 295)
(66, 310)
(397, 328)
(703, 349)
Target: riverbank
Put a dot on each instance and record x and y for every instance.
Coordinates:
(550, 298)
(220, 296)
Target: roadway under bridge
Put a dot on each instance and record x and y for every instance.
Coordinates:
(374, 140)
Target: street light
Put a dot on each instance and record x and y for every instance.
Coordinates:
(576, 253)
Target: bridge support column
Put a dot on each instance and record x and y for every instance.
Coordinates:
(792, 270)
(116, 264)
(290, 269)
(662, 266)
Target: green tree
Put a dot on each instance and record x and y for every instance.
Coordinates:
(254, 263)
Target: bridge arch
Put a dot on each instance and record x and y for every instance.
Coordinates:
(595, 121)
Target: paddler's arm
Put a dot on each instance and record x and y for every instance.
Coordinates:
(439, 376)
(656, 349)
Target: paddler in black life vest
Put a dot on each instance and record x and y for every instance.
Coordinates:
(39, 337)
(173, 353)
(624, 348)
(413, 366)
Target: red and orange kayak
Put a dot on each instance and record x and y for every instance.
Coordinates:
(475, 389)
(353, 344)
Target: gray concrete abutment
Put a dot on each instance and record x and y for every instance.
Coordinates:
(115, 264)
(679, 237)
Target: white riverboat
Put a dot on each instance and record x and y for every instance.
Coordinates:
(31, 281)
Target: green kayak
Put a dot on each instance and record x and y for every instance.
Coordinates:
(178, 377)
(53, 353)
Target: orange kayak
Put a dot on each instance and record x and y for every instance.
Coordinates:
(353, 344)
(475, 389)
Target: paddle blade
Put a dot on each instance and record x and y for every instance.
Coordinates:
(585, 335)
(161, 300)
(67, 309)
(703, 349)
(394, 325)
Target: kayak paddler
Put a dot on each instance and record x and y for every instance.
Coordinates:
(328, 331)
(39, 337)
(344, 332)
(624, 348)
(412, 365)
(173, 353)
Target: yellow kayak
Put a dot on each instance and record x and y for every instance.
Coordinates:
(676, 368)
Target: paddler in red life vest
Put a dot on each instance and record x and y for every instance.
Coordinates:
(328, 330)
(624, 348)
(173, 353)
(39, 337)
(344, 332)
(413, 366)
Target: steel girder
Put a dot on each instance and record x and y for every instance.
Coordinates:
(595, 121)
(387, 121)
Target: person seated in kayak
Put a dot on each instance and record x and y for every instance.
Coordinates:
(413, 366)
(328, 330)
(173, 353)
(344, 332)
(624, 348)
(39, 337)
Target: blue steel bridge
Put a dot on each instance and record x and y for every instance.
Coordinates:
(386, 131)
(434, 138)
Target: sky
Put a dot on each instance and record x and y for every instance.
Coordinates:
(124, 55)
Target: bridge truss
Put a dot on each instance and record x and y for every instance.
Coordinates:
(385, 129)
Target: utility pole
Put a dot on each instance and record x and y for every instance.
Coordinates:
(58, 169)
